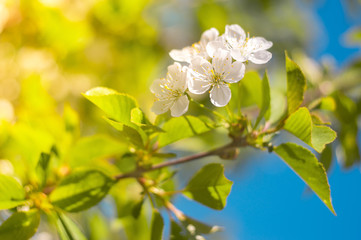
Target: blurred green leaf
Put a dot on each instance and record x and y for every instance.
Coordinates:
(42, 168)
(20, 225)
(67, 229)
(300, 124)
(247, 92)
(88, 149)
(177, 233)
(81, 190)
(182, 127)
(12, 193)
(346, 113)
(296, 85)
(307, 167)
(157, 226)
(137, 208)
(209, 186)
(266, 99)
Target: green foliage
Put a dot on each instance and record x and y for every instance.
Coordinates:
(84, 151)
(81, 190)
(296, 85)
(182, 127)
(118, 108)
(209, 186)
(12, 193)
(20, 225)
(42, 168)
(301, 125)
(266, 100)
(306, 166)
(157, 226)
(67, 229)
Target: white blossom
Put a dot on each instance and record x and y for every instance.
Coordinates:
(241, 47)
(216, 75)
(170, 91)
(197, 49)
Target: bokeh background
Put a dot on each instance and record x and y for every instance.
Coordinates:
(51, 51)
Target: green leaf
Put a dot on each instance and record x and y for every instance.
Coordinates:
(88, 149)
(67, 229)
(119, 109)
(346, 113)
(12, 193)
(307, 167)
(42, 168)
(266, 99)
(177, 233)
(182, 127)
(209, 186)
(116, 106)
(246, 92)
(326, 157)
(137, 208)
(296, 85)
(20, 225)
(157, 226)
(133, 135)
(300, 124)
(81, 190)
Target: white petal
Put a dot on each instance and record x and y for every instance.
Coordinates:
(235, 32)
(222, 60)
(260, 57)
(155, 87)
(161, 106)
(220, 95)
(177, 77)
(198, 85)
(183, 55)
(213, 46)
(236, 72)
(237, 55)
(209, 35)
(257, 44)
(200, 66)
(180, 106)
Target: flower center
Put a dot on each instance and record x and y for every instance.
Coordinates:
(217, 78)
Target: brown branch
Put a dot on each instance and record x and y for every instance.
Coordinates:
(138, 173)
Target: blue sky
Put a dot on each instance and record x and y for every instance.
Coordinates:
(268, 201)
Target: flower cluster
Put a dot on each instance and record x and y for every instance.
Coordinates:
(211, 65)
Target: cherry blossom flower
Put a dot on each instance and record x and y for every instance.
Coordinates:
(216, 75)
(170, 91)
(241, 47)
(197, 49)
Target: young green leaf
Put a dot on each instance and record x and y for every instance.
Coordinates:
(177, 233)
(266, 99)
(307, 167)
(182, 127)
(326, 157)
(209, 186)
(157, 226)
(81, 190)
(300, 124)
(12, 193)
(20, 225)
(116, 106)
(296, 85)
(67, 229)
(132, 134)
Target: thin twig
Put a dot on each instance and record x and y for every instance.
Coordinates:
(138, 173)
